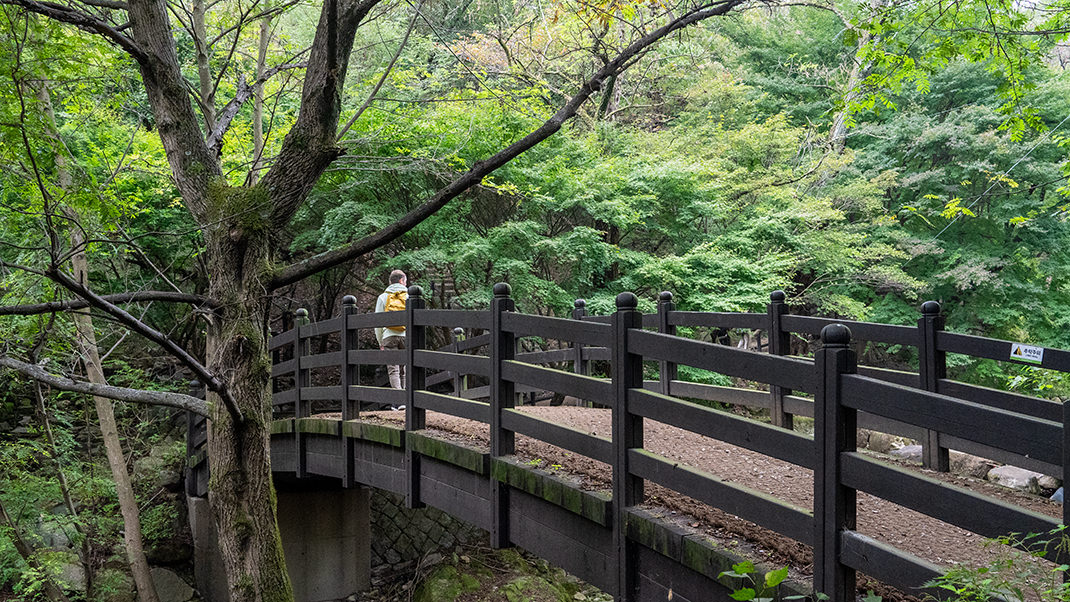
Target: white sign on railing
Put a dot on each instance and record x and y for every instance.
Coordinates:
(1027, 353)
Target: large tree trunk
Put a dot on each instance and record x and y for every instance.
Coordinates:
(241, 492)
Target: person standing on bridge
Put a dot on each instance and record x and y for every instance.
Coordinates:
(393, 337)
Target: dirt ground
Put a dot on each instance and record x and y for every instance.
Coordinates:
(907, 530)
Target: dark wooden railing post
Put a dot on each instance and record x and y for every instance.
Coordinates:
(301, 380)
(627, 435)
(502, 397)
(415, 418)
(834, 433)
(666, 370)
(579, 365)
(779, 344)
(349, 373)
(932, 366)
(458, 378)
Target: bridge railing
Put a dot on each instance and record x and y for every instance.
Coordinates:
(829, 387)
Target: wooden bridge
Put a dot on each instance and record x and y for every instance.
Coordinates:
(615, 540)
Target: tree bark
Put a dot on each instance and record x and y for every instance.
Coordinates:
(87, 344)
(241, 491)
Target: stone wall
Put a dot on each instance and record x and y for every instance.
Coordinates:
(401, 537)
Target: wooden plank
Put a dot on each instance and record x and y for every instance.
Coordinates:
(787, 372)
(455, 491)
(662, 579)
(743, 397)
(574, 440)
(1001, 429)
(380, 476)
(322, 360)
(889, 565)
(1004, 400)
(452, 318)
(799, 406)
(899, 377)
(743, 502)
(598, 319)
(983, 515)
(377, 357)
(283, 368)
(558, 381)
(386, 395)
(882, 424)
(543, 357)
(476, 393)
(324, 465)
(597, 354)
(376, 319)
(453, 362)
(454, 406)
(282, 339)
(315, 329)
(995, 349)
(587, 333)
(755, 436)
(564, 539)
(333, 393)
(713, 319)
(473, 342)
(865, 331)
(284, 397)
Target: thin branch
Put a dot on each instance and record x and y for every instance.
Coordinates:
(139, 297)
(481, 169)
(211, 380)
(64, 383)
(85, 22)
(245, 92)
(386, 73)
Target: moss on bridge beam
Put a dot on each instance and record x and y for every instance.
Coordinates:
(696, 552)
(318, 426)
(447, 451)
(279, 427)
(591, 505)
(376, 433)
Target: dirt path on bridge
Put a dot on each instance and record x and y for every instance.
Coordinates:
(906, 529)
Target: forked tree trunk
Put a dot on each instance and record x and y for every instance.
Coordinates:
(241, 492)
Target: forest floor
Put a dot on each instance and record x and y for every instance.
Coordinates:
(910, 531)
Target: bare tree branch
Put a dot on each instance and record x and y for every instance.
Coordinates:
(83, 21)
(481, 169)
(211, 380)
(64, 383)
(136, 297)
(245, 92)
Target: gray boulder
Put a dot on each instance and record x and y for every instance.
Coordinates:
(1016, 478)
(170, 587)
(908, 452)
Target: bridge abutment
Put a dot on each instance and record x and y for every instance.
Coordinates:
(326, 537)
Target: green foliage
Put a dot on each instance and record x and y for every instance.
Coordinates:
(1014, 575)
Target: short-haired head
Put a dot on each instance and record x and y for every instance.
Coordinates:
(397, 276)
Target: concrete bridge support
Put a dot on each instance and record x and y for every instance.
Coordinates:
(326, 537)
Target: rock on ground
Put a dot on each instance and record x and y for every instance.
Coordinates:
(170, 587)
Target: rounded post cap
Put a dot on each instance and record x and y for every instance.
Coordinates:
(627, 301)
(579, 303)
(930, 308)
(777, 296)
(835, 335)
(301, 312)
(349, 300)
(664, 296)
(416, 291)
(502, 289)
(458, 331)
